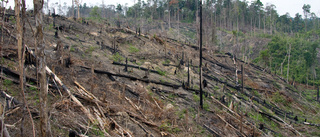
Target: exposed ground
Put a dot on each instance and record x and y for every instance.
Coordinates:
(130, 103)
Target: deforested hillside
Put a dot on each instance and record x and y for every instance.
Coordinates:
(106, 80)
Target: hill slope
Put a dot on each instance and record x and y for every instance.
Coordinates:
(152, 98)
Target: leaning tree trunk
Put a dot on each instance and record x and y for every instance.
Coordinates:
(38, 5)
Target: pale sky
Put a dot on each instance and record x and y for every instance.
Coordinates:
(282, 6)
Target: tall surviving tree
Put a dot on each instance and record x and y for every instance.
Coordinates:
(306, 12)
(38, 5)
(200, 65)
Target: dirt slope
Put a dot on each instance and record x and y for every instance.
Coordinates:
(152, 98)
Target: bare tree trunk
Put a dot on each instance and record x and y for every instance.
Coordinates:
(288, 63)
(200, 66)
(78, 9)
(38, 5)
(72, 14)
(20, 39)
(20, 52)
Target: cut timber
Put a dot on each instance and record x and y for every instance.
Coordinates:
(136, 107)
(136, 116)
(212, 131)
(90, 100)
(121, 130)
(143, 128)
(231, 126)
(86, 111)
(101, 122)
(234, 113)
(90, 95)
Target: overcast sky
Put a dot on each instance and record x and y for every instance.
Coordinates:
(282, 6)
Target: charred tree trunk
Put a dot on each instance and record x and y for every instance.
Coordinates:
(139, 32)
(242, 81)
(200, 66)
(38, 5)
(126, 67)
(188, 74)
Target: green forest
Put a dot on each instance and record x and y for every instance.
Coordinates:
(294, 38)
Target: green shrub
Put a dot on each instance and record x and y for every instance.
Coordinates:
(7, 82)
(196, 98)
(117, 57)
(162, 73)
(90, 49)
(33, 88)
(277, 98)
(167, 61)
(133, 49)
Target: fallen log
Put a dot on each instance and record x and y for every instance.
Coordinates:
(220, 64)
(137, 67)
(17, 82)
(16, 75)
(175, 86)
(234, 113)
(8, 97)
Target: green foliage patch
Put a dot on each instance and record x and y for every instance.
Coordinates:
(133, 49)
(117, 57)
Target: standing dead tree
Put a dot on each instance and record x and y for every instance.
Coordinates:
(38, 5)
(20, 39)
(20, 21)
(200, 66)
(78, 2)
